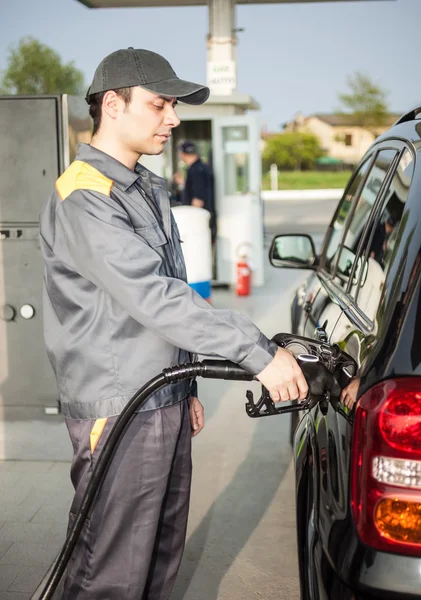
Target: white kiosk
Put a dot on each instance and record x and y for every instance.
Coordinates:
(229, 140)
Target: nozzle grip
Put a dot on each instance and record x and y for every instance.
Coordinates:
(318, 376)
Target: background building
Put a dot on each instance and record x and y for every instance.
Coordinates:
(340, 135)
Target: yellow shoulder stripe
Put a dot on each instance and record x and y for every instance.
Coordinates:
(82, 176)
(96, 433)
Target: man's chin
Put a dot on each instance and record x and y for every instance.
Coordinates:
(154, 149)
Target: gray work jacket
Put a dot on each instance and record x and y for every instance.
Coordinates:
(117, 308)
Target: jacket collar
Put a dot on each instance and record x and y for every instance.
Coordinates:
(124, 177)
(107, 165)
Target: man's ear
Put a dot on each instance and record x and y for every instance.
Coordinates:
(111, 104)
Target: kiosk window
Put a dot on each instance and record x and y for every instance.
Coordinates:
(236, 160)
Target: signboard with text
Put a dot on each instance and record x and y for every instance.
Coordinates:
(222, 77)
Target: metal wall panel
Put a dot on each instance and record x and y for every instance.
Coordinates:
(26, 377)
(31, 148)
(29, 156)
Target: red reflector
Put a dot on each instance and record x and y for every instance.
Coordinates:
(400, 420)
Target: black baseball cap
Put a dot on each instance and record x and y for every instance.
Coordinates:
(188, 147)
(130, 67)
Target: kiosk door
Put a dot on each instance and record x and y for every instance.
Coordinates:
(237, 181)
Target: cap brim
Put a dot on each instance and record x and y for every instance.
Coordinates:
(185, 91)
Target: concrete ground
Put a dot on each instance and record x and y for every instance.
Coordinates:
(241, 540)
(292, 216)
(241, 536)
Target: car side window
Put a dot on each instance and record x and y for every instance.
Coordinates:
(383, 236)
(347, 253)
(343, 211)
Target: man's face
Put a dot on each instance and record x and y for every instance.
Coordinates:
(188, 159)
(144, 126)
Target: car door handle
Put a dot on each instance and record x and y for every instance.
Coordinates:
(307, 307)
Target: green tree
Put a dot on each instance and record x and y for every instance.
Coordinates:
(366, 102)
(292, 150)
(34, 68)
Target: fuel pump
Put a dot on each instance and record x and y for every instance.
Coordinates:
(326, 368)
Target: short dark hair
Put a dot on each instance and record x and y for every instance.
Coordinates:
(95, 104)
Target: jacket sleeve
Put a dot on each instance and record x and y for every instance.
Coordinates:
(95, 238)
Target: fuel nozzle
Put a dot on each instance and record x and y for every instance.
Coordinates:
(318, 376)
(327, 370)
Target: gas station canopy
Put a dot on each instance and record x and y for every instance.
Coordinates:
(156, 3)
(222, 36)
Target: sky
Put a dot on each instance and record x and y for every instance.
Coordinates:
(291, 57)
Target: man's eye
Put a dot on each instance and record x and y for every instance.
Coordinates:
(158, 106)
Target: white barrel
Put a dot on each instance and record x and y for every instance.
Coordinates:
(193, 224)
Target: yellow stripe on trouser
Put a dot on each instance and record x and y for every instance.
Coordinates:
(96, 432)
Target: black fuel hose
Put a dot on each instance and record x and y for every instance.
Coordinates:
(211, 369)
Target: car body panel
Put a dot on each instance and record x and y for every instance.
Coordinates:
(377, 322)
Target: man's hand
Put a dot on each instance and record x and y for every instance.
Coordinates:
(197, 416)
(198, 203)
(349, 394)
(178, 178)
(283, 378)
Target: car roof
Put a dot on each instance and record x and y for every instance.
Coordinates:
(407, 128)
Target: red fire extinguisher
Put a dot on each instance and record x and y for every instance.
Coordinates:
(243, 287)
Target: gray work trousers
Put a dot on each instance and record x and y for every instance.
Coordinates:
(132, 544)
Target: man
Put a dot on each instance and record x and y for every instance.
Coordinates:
(198, 187)
(117, 311)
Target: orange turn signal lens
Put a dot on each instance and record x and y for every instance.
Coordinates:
(399, 520)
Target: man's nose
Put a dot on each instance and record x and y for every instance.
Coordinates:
(171, 117)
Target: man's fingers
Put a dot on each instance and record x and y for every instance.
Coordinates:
(302, 387)
(293, 391)
(283, 393)
(197, 416)
(200, 417)
(284, 376)
(193, 419)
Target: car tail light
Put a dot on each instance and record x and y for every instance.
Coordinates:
(386, 467)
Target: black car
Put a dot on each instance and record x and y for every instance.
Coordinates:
(358, 462)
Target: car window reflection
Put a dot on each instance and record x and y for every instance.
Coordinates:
(338, 225)
(365, 204)
(383, 240)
